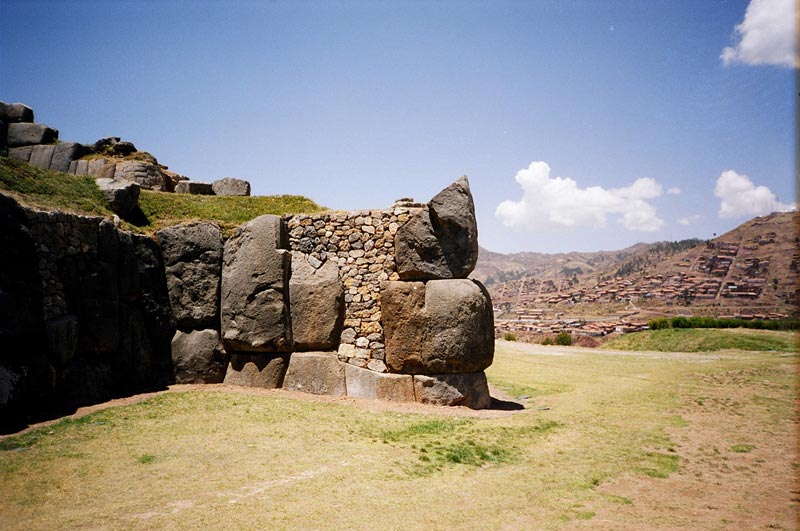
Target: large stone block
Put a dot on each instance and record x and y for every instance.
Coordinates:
(42, 155)
(364, 383)
(15, 112)
(28, 134)
(198, 357)
(317, 304)
(64, 153)
(147, 174)
(442, 326)
(441, 241)
(465, 389)
(193, 260)
(21, 153)
(122, 196)
(319, 373)
(254, 298)
(231, 186)
(257, 370)
(193, 187)
(101, 168)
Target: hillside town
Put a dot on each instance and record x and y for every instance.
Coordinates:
(750, 273)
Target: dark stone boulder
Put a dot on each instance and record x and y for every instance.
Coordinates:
(122, 196)
(193, 187)
(440, 241)
(25, 379)
(28, 134)
(193, 259)
(442, 326)
(316, 296)
(198, 357)
(254, 296)
(15, 112)
(231, 186)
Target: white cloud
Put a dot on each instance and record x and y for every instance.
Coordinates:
(556, 202)
(766, 36)
(741, 198)
(689, 220)
(674, 190)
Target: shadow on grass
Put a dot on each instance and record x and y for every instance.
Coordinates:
(505, 405)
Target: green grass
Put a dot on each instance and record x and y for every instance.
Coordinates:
(705, 340)
(742, 448)
(163, 209)
(50, 190)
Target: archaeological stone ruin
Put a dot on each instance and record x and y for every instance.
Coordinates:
(369, 304)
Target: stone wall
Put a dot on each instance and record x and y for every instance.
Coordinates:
(371, 304)
(84, 313)
(361, 245)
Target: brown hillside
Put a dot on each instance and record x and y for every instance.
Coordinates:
(751, 270)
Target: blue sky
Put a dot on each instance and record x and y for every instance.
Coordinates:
(581, 125)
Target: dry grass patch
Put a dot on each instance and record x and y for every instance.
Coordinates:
(594, 421)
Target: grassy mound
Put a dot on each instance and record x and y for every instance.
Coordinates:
(51, 190)
(705, 340)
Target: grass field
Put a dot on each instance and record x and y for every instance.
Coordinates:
(706, 340)
(606, 441)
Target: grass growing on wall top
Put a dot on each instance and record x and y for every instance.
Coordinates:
(163, 209)
(52, 190)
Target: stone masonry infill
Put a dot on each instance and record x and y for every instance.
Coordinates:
(362, 244)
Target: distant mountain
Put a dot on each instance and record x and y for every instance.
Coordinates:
(751, 269)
